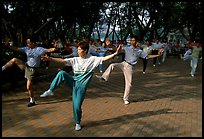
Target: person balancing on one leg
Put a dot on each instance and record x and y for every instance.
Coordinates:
(132, 54)
(83, 69)
(33, 53)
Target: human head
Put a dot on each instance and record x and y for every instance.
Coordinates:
(103, 44)
(147, 42)
(83, 48)
(30, 42)
(133, 40)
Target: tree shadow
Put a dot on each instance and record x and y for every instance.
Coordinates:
(130, 117)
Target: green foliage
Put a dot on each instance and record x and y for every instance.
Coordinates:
(80, 19)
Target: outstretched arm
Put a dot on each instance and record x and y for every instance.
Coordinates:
(152, 56)
(57, 60)
(159, 54)
(13, 48)
(114, 54)
(10, 46)
(51, 50)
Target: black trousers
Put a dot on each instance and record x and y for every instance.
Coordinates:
(154, 52)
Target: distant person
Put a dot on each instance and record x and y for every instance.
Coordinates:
(102, 51)
(196, 49)
(47, 44)
(147, 49)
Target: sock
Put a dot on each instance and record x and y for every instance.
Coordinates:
(32, 100)
(3, 68)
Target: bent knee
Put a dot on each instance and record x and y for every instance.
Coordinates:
(62, 72)
(14, 60)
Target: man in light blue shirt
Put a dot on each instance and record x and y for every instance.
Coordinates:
(33, 53)
(132, 54)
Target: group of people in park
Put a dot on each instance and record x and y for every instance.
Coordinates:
(83, 64)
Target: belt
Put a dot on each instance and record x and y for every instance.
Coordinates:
(129, 63)
(30, 66)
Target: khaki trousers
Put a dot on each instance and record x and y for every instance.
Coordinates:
(127, 71)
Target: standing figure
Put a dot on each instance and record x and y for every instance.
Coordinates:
(46, 44)
(155, 50)
(33, 53)
(147, 49)
(83, 69)
(102, 51)
(196, 49)
(165, 47)
(132, 54)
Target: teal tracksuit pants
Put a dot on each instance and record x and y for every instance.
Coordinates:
(78, 83)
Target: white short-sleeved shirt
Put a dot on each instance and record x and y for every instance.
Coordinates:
(82, 65)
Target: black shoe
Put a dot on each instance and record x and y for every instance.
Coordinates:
(31, 104)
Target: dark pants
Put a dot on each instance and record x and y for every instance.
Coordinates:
(145, 61)
(154, 52)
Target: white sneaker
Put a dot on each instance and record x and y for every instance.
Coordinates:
(100, 78)
(126, 102)
(47, 93)
(78, 127)
(143, 72)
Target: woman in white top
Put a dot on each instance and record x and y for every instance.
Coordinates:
(83, 69)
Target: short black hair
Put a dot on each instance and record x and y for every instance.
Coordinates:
(84, 44)
(134, 36)
(31, 37)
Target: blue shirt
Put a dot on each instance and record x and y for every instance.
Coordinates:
(132, 55)
(33, 55)
(156, 46)
(104, 49)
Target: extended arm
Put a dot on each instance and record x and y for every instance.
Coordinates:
(51, 50)
(13, 48)
(152, 56)
(112, 55)
(57, 60)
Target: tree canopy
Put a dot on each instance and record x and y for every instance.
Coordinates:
(91, 19)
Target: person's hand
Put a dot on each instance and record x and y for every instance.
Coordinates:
(119, 48)
(45, 58)
(55, 49)
(160, 51)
